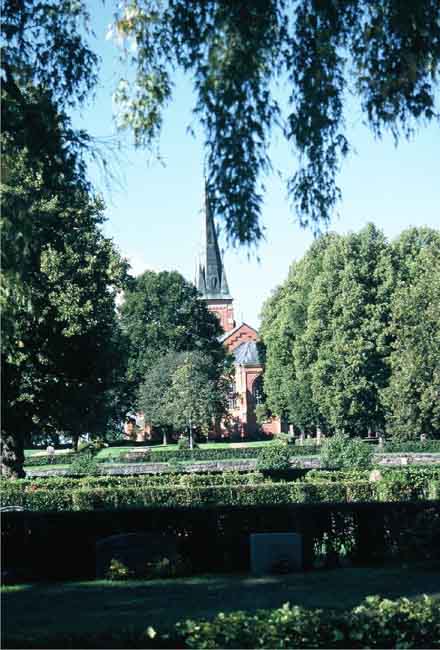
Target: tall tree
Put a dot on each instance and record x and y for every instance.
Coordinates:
(413, 395)
(387, 53)
(61, 350)
(162, 312)
(348, 313)
(287, 378)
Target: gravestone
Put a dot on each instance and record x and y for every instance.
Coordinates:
(275, 553)
(134, 550)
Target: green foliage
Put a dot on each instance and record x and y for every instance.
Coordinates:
(84, 463)
(235, 52)
(232, 453)
(376, 623)
(162, 313)
(227, 489)
(340, 452)
(347, 348)
(183, 391)
(274, 457)
(117, 571)
(184, 444)
(395, 445)
(63, 350)
(412, 394)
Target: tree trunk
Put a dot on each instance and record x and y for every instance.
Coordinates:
(12, 455)
(75, 439)
(164, 437)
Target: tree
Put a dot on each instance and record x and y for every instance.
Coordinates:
(46, 67)
(287, 378)
(184, 390)
(348, 313)
(387, 53)
(62, 355)
(154, 399)
(161, 313)
(413, 395)
(198, 394)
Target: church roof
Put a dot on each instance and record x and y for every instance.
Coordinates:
(211, 278)
(229, 333)
(247, 354)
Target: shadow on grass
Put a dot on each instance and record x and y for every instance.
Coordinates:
(98, 606)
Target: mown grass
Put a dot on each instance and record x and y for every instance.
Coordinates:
(39, 609)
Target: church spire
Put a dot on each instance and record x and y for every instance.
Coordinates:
(211, 281)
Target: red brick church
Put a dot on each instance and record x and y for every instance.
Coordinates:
(239, 339)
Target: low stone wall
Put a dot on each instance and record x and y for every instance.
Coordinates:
(244, 465)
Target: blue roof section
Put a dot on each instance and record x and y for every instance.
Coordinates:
(246, 354)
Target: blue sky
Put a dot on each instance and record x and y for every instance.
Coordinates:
(154, 211)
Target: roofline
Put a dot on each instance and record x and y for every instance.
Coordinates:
(224, 337)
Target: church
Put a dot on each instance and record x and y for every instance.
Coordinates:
(240, 339)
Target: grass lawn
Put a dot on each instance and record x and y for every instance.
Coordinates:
(39, 609)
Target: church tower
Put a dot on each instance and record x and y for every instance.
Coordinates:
(211, 278)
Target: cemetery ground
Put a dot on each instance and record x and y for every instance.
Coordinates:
(44, 611)
(365, 533)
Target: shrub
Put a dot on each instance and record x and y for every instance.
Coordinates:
(174, 567)
(274, 457)
(377, 623)
(117, 571)
(84, 463)
(184, 444)
(341, 451)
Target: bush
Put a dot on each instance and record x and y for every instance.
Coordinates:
(275, 457)
(184, 444)
(117, 571)
(84, 463)
(377, 623)
(341, 451)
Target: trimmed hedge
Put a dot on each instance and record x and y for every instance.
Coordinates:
(153, 455)
(234, 453)
(412, 446)
(376, 623)
(223, 489)
(88, 497)
(58, 459)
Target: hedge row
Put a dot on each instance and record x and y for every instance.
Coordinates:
(172, 455)
(376, 623)
(412, 446)
(58, 459)
(148, 496)
(233, 453)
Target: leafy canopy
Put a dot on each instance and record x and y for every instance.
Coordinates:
(161, 313)
(182, 389)
(234, 51)
(352, 336)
